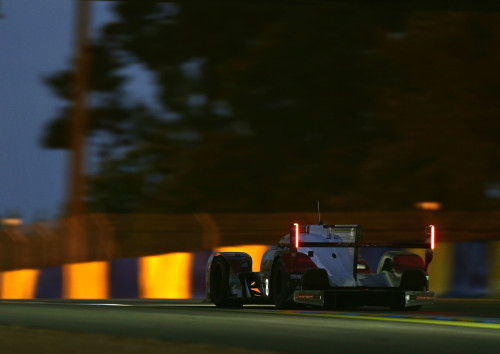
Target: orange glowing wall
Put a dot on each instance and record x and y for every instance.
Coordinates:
(86, 280)
(169, 276)
(166, 276)
(18, 284)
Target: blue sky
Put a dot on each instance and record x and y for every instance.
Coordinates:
(36, 38)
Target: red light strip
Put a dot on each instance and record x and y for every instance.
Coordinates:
(433, 235)
(296, 235)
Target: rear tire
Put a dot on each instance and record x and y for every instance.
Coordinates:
(280, 285)
(411, 280)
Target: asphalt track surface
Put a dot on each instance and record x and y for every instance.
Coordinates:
(448, 326)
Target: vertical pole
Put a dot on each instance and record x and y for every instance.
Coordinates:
(76, 209)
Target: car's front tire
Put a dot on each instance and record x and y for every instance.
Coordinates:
(219, 284)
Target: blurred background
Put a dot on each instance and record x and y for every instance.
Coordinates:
(135, 128)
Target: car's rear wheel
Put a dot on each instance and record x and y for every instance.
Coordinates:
(411, 280)
(280, 285)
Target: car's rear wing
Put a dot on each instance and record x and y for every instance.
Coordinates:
(351, 236)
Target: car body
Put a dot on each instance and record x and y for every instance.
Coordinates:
(319, 265)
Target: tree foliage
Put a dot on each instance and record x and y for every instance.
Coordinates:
(443, 111)
(270, 108)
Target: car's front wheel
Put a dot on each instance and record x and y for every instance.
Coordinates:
(219, 284)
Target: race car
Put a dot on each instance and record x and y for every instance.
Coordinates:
(319, 265)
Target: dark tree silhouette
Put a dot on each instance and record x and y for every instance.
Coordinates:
(271, 107)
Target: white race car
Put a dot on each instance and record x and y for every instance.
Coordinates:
(318, 265)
